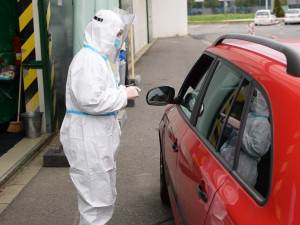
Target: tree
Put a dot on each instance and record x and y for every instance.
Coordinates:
(191, 3)
(283, 2)
(278, 9)
(211, 4)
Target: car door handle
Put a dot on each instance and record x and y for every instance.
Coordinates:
(175, 147)
(202, 192)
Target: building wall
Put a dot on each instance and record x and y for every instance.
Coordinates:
(140, 27)
(169, 18)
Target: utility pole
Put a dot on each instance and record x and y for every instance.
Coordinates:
(224, 6)
(267, 4)
(272, 4)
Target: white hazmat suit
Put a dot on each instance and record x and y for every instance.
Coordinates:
(90, 133)
(256, 140)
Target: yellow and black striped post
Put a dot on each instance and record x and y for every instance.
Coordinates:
(48, 17)
(25, 11)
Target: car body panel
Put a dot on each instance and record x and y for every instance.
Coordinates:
(272, 76)
(172, 128)
(229, 200)
(292, 16)
(264, 17)
(197, 166)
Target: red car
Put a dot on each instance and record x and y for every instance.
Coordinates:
(229, 139)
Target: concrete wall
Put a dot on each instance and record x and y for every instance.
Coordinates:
(169, 18)
(140, 28)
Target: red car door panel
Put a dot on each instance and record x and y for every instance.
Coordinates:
(175, 127)
(233, 205)
(198, 177)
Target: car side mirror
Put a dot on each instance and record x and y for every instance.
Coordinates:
(160, 96)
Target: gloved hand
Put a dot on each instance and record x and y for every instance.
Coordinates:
(122, 55)
(132, 92)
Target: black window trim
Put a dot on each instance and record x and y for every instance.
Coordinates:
(218, 146)
(249, 189)
(184, 85)
(191, 122)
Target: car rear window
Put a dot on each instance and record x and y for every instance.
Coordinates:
(262, 14)
(292, 11)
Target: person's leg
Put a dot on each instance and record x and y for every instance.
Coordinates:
(94, 215)
(98, 208)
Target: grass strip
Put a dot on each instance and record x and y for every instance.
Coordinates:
(218, 18)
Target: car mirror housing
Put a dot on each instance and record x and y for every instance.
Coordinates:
(160, 96)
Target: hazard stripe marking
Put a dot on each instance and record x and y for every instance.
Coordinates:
(29, 58)
(26, 32)
(28, 46)
(25, 17)
(48, 15)
(25, 3)
(33, 104)
(52, 74)
(50, 49)
(31, 91)
(27, 41)
(29, 78)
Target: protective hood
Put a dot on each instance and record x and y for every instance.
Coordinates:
(259, 106)
(101, 31)
(257, 134)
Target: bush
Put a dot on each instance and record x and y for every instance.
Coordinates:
(278, 9)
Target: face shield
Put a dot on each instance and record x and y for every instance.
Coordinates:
(119, 41)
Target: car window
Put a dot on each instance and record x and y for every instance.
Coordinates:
(253, 158)
(224, 106)
(217, 98)
(262, 13)
(293, 11)
(194, 84)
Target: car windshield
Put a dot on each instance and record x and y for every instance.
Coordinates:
(292, 11)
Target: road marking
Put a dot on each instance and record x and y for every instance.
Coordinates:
(223, 25)
(194, 26)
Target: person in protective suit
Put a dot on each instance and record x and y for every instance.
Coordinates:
(256, 139)
(90, 132)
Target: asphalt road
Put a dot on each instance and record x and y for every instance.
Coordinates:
(209, 32)
(50, 197)
(167, 62)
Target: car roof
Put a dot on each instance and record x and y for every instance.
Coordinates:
(278, 56)
(267, 48)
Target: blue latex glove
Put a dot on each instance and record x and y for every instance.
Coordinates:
(122, 56)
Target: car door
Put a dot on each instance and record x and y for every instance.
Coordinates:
(175, 124)
(201, 170)
(242, 199)
(174, 127)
